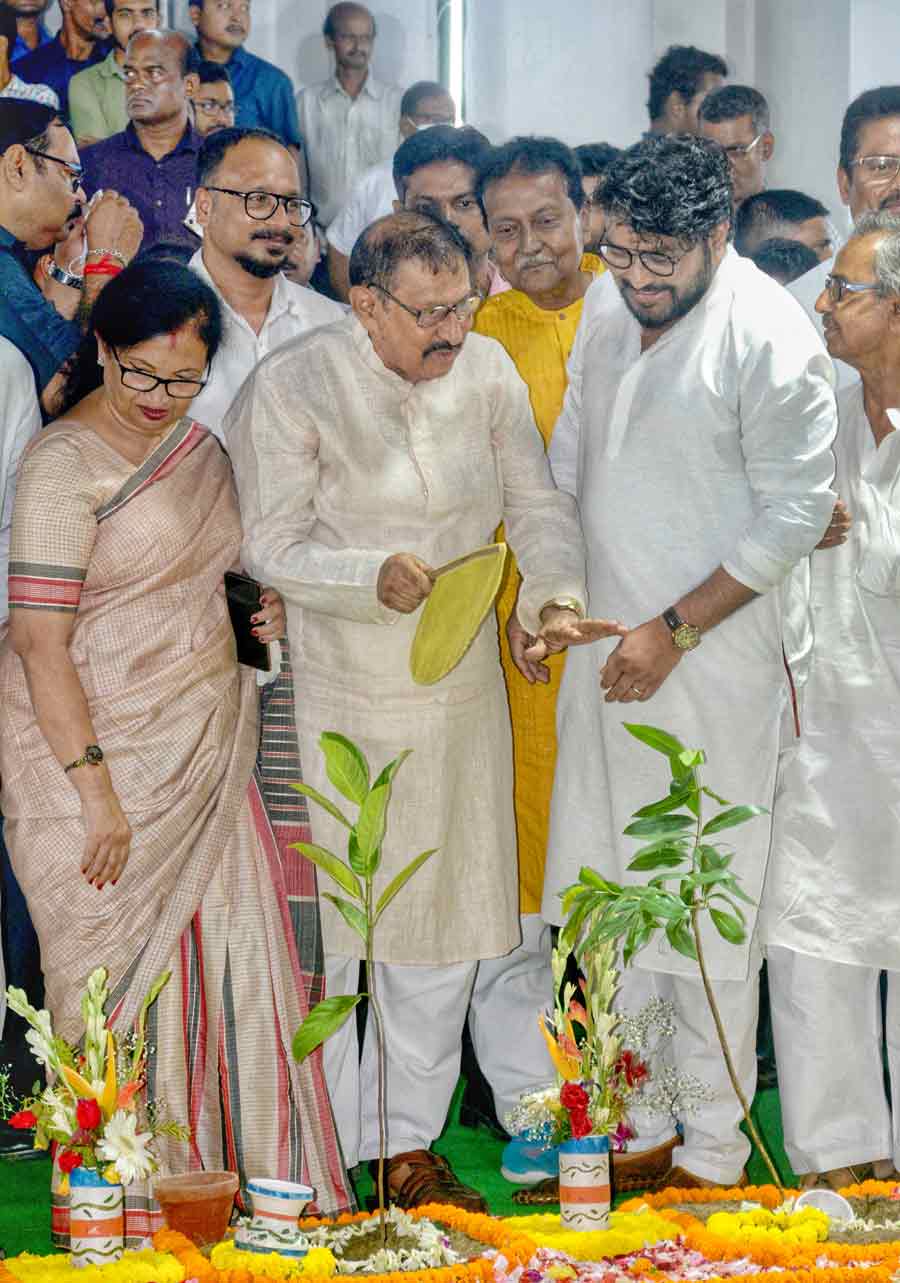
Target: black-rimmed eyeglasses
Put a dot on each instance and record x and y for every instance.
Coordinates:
(262, 205)
(428, 317)
(141, 381)
(836, 287)
(620, 258)
(75, 172)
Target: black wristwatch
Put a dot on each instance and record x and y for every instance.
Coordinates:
(92, 756)
(684, 636)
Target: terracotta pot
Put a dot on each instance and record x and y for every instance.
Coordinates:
(197, 1204)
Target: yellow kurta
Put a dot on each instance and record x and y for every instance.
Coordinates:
(539, 343)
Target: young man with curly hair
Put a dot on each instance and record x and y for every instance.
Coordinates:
(696, 435)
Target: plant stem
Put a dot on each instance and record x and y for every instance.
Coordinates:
(723, 1043)
(380, 1054)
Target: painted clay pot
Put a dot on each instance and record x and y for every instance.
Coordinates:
(584, 1183)
(96, 1218)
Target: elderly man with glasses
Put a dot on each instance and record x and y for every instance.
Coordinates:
(251, 212)
(368, 454)
(696, 435)
(830, 910)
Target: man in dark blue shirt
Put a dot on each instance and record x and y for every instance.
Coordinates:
(82, 40)
(153, 162)
(263, 94)
(32, 32)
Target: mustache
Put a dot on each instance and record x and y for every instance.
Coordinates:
(442, 346)
(525, 264)
(283, 238)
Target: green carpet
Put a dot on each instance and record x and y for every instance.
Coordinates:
(475, 1155)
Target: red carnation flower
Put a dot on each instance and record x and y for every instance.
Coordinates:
(572, 1096)
(23, 1120)
(581, 1125)
(69, 1160)
(88, 1114)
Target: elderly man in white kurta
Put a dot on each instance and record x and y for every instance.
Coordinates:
(366, 454)
(695, 435)
(831, 907)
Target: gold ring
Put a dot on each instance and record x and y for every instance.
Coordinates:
(637, 690)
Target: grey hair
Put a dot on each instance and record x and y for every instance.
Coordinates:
(886, 261)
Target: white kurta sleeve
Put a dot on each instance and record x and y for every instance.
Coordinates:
(566, 439)
(788, 421)
(274, 449)
(879, 562)
(541, 521)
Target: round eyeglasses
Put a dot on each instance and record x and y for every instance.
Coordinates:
(620, 258)
(262, 205)
(141, 381)
(428, 317)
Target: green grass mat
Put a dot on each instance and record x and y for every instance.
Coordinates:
(475, 1155)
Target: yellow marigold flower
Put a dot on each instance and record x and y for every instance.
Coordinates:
(320, 1261)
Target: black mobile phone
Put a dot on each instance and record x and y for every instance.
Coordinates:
(243, 596)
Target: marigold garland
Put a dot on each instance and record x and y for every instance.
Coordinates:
(137, 1267)
(627, 1233)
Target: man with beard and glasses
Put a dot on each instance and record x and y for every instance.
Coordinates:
(251, 210)
(366, 454)
(696, 436)
(97, 95)
(153, 161)
(82, 40)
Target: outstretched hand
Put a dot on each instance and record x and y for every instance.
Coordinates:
(560, 628)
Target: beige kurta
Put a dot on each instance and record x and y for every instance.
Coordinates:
(339, 463)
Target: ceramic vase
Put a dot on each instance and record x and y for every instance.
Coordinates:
(96, 1218)
(584, 1183)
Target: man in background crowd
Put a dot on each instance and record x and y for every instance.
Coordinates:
(424, 104)
(31, 31)
(97, 94)
(11, 85)
(594, 159)
(785, 261)
(784, 214)
(436, 173)
(212, 98)
(153, 161)
(81, 41)
(349, 121)
(264, 95)
(246, 241)
(679, 82)
(737, 118)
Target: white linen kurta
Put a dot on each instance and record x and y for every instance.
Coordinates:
(339, 463)
(711, 448)
(833, 887)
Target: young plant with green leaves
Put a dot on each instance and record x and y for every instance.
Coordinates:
(691, 876)
(348, 770)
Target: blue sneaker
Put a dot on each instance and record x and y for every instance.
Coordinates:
(525, 1162)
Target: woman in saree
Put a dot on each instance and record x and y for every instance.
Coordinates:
(161, 854)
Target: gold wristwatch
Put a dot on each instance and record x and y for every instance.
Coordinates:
(92, 756)
(563, 603)
(684, 636)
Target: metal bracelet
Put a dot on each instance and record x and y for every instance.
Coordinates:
(53, 269)
(108, 253)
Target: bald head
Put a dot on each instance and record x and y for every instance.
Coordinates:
(157, 78)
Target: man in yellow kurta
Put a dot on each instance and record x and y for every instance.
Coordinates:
(531, 192)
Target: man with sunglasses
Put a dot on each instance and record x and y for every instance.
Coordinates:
(696, 434)
(830, 911)
(153, 161)
(737, 118)
(367, 454)
(868, 179)
(251, 210)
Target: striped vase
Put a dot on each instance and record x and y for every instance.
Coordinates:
(584, 1183)
(96, 1218)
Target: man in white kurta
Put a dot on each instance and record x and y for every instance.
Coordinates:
(832, 900)
(366, 453)
(695, 435)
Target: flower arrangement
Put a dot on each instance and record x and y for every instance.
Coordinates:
(596, 1074)
(93, 1108)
